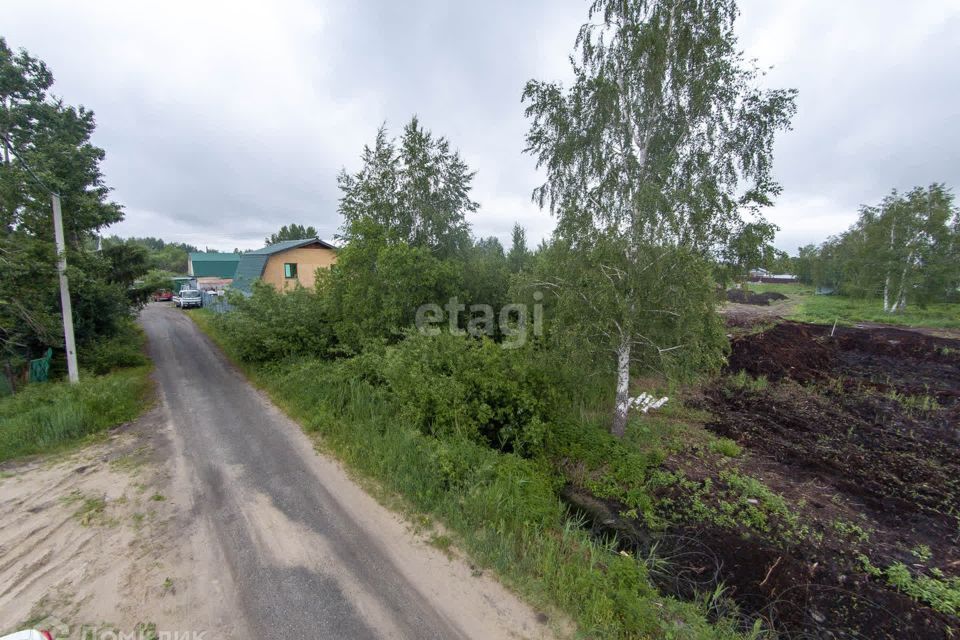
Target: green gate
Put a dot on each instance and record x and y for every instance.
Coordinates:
(40, 368)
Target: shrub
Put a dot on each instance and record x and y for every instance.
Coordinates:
(124, 349)
(376, 287)
(471, 388)
(273, 326)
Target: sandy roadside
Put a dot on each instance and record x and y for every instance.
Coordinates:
(99, 540)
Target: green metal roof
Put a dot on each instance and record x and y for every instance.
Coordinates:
(277, 247)
(214, 265)
(252, 263)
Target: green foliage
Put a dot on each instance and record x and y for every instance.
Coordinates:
(127, 262)
(415, 190)
(408, 240)
(500, 507)
(907, 247)
(54, 139)
(520, 256)
(455, 386)
(940, 592)
(272, 326)
(750, 247)
(163, 256)
(744, 381)
(726, 447)
(943, 594)
(804, 264)
(375, 288)
(661, 301)
(124, 349)
(291, 232)
(851, 530)
(49, 415)
(658, 156)
(664, 135)
(486, 274)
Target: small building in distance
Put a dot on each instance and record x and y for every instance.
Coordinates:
(284, 264)
(211, 264)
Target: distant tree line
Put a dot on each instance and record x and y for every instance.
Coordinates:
(906, 249)
(290, 232)
(154, 253)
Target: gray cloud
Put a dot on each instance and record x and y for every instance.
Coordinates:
(224, 120)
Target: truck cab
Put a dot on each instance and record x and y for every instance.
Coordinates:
(188, 298)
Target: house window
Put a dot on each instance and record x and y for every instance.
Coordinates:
(290, 270)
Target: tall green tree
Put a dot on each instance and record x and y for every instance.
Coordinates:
(291, 232)
(54, 139)
(907, 245)
(657, 153)
(407, 239)
(416, 189)
(803, 263)
(486, 276)
(519, 257)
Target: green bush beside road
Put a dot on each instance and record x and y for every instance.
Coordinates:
(114, 388)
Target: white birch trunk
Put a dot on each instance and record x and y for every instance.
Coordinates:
(902, 294)
(886, 294)
(622, 411)
(888, 306)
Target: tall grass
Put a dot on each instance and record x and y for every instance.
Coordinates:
(49, 416)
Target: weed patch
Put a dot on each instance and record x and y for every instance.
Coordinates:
(48, 416)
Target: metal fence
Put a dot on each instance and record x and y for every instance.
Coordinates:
(216, 303)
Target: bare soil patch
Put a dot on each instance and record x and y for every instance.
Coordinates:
(859, 432)
(742, 296)
(98, 539)
(870, 417)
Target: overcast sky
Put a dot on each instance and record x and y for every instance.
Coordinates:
(224, 120)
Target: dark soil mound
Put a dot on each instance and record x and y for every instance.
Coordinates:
(748, 297)
(788, 350)
(800, 592)
(877, 419)
(901, 465)
(874, 422)
(907, 362)
(859, 430)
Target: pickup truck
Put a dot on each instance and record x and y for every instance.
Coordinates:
(188, 298)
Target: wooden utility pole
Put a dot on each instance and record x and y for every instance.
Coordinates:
(65, 306)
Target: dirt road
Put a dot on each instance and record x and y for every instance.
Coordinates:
(302, 550)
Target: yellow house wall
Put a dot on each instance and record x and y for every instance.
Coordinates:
(307, 259)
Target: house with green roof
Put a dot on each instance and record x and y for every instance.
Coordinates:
(284, 264)
(211, 264)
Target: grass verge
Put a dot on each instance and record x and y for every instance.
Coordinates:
(847, 311)
(46, 417)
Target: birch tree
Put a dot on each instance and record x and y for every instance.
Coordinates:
(662, 148)
(908, 240)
